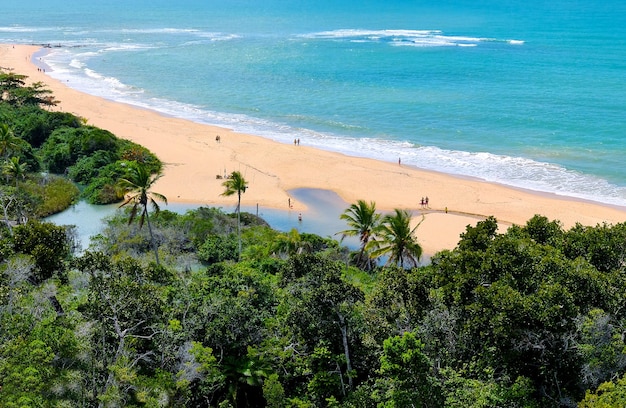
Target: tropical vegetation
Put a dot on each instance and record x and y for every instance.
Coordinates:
(363, 220)
(136, 187)
(531, 317)
(236, 184)
(236, 314)
(39, 145)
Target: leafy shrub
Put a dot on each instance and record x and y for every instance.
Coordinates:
(46, 243)
(56, 155)
(50, 194)
(250, 219)
(133, 152)
(89, 167)
(218, 249)
(66, 145)
(102, 191)
(35, 125)
(89, 139)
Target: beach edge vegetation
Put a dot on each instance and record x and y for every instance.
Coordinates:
(48, 143)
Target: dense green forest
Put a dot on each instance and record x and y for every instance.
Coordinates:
(208, 309)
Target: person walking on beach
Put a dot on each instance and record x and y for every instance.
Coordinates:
(426, 201)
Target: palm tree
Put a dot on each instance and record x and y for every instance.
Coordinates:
(9, 143)
(235, 183)
(136, 189)
(394, 237)
(291, 243)
(362, 219)
(13, 168)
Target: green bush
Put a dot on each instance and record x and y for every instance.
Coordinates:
(50, 194)
(90, 167)
(59, 193)
(47, 243)
(56, 154)
(35, 125)
(133, 152)
(67, 145)
(218, 249)
(101, 191)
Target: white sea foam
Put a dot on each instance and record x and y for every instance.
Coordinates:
(76, 63)
(126, 47)
(18, 29)
(164, 30)
(406, 38)
(217, 36)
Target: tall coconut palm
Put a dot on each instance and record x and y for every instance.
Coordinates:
(13, 168)
(235, 183)
(136, 189)
(395, 238)
(362, 219)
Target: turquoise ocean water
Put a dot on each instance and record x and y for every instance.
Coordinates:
(528, 93)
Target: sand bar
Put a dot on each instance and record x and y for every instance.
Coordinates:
(193, 158)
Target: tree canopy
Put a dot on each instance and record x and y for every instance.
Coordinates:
(236, 314)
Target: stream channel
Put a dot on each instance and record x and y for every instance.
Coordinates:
(321, 217)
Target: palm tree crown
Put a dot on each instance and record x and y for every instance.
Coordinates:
(236, 183)
(394, 237)
(362, 219)
(15, 169)
(9, 143)
(136, 187)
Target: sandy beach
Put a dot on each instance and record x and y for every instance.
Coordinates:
(193, 159)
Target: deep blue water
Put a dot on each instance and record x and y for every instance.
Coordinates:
(525, 93)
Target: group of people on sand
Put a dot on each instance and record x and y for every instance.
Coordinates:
(424, 202)
(296, 142)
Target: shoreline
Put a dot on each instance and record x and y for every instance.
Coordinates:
(193, 159)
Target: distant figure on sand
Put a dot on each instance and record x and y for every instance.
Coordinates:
(399, 162)
(426, 201)
(218, 138)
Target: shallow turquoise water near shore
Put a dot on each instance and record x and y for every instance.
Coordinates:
(528, 94)
(321, 218)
